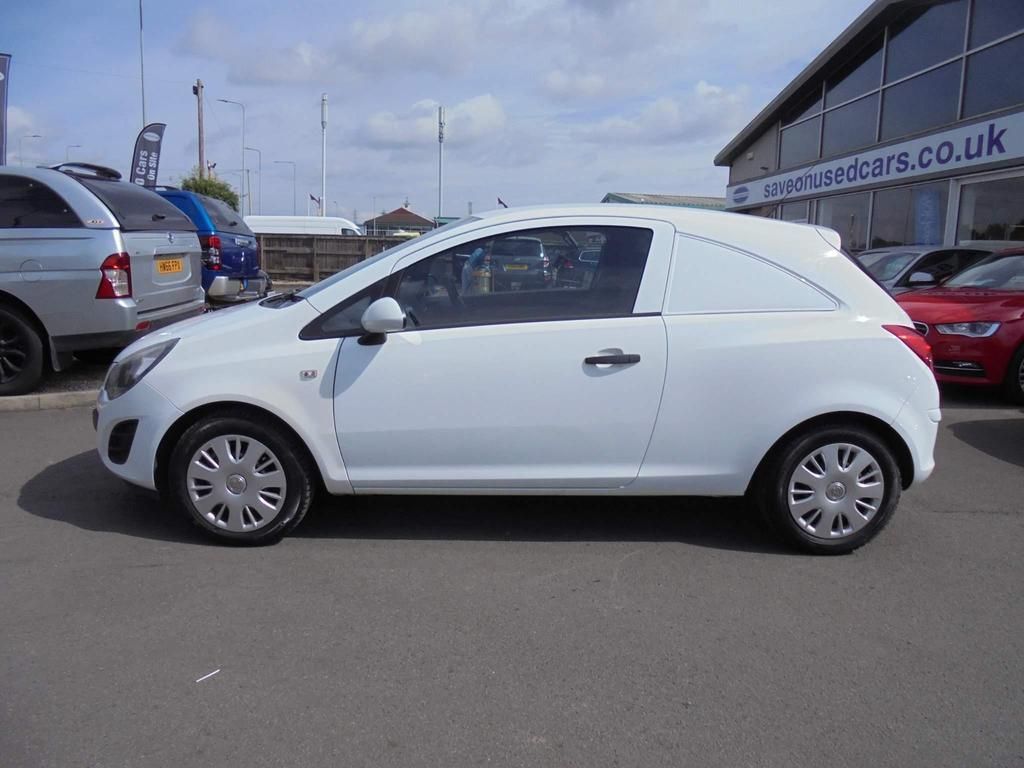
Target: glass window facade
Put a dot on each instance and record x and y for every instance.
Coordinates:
(809, 105)
(795, 212)
(994, 77)
(993, 19)
(851, 126)
(861, 75)
(926, 101)
(847, 215)
(799, 143)
(909, 215)
(925, 37)
(992, 210)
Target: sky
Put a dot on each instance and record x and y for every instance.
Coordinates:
(546, 102)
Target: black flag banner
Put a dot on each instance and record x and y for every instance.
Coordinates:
(5, 70)
(146, 161)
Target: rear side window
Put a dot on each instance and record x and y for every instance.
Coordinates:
(137, 208)
(28, 203)
(225, 218)
(708, 278)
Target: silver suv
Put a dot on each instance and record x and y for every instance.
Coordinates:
(87, 262)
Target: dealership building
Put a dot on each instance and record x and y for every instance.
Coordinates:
(907, 129)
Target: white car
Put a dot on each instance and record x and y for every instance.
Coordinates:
(709, 354)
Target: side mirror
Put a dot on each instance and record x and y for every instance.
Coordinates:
(922, 278)
(383, 316)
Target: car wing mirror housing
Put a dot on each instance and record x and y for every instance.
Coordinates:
(922, 278)
(382, 317)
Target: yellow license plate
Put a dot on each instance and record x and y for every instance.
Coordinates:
(170, 266)
(516, 266)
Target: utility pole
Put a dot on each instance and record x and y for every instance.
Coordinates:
(440, 158)
(197, 90)
(323, 154)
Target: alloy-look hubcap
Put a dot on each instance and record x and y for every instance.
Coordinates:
(236, 483)
(13, 352)
(835, 491)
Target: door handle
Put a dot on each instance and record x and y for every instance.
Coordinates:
(612, 359)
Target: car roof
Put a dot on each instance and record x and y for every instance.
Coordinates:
(93, 213)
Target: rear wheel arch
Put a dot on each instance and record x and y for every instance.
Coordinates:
(224, 408)
(12, 301)
(884, 432)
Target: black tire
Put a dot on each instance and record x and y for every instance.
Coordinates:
(1014, 383)
(21, 353)
(772, 489)
(297, 467)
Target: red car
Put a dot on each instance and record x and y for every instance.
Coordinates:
(975, 323)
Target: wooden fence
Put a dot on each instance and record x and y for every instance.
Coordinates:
(310, 258)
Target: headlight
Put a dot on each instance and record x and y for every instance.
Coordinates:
(125, 374)
(974, 330)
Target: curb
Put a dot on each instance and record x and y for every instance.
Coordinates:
(49, 401)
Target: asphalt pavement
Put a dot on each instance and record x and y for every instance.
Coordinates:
(548, 632)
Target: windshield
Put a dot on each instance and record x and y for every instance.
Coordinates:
(886, 265)
(997, 273)
(409, 245)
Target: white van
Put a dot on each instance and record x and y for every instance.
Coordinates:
(302, 225)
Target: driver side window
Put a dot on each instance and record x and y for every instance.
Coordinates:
(556, 273)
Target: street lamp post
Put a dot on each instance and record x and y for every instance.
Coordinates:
(259, 172)
(67, 151)
(240, 104)
(292, 164)
(142, 67)
(21, 145)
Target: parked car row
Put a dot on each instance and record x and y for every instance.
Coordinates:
(968, 301)
(90, 262)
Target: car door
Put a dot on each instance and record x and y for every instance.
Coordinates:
(489, 386)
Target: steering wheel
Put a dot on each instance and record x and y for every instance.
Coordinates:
(453, 294)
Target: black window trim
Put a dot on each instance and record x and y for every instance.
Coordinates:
(77, 222)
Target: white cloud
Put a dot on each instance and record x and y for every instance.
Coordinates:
(563, 86)
(475, 120)
(709, 111)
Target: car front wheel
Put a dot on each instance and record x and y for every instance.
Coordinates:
(830, 491)
(1015, 377)
(239, 481)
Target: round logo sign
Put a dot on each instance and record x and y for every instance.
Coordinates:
(150, 136)
(740, 194)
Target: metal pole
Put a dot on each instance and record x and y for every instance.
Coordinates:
(259, 172)
(323, 154)
(197, 89)
(440, 158)
(244, 196)
(142, 67)
(21, 145)
(67, 151)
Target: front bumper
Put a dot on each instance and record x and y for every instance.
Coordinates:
(154, 415)
(228, 288)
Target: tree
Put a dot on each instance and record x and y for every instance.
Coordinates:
(210, 186)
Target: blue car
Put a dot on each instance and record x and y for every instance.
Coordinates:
(231, 257)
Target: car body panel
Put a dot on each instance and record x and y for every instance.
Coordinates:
(428, 411)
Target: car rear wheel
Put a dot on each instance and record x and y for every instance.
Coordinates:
(21, 353)
(830, 491)
(1015, 377)
(241, 482)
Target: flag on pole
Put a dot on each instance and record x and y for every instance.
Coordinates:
(315, 199)
(502, 203)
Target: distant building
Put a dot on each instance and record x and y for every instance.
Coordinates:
(680, 201)
(398, 220)
(907, 129)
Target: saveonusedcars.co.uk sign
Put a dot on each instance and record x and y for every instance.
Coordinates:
(981, 143)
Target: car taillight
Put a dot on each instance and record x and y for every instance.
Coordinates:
(211, 251)
(115, 277)
(917, 343)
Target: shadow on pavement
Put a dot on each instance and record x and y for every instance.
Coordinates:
(1002, 439)
(966, 396)
(81, 492)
